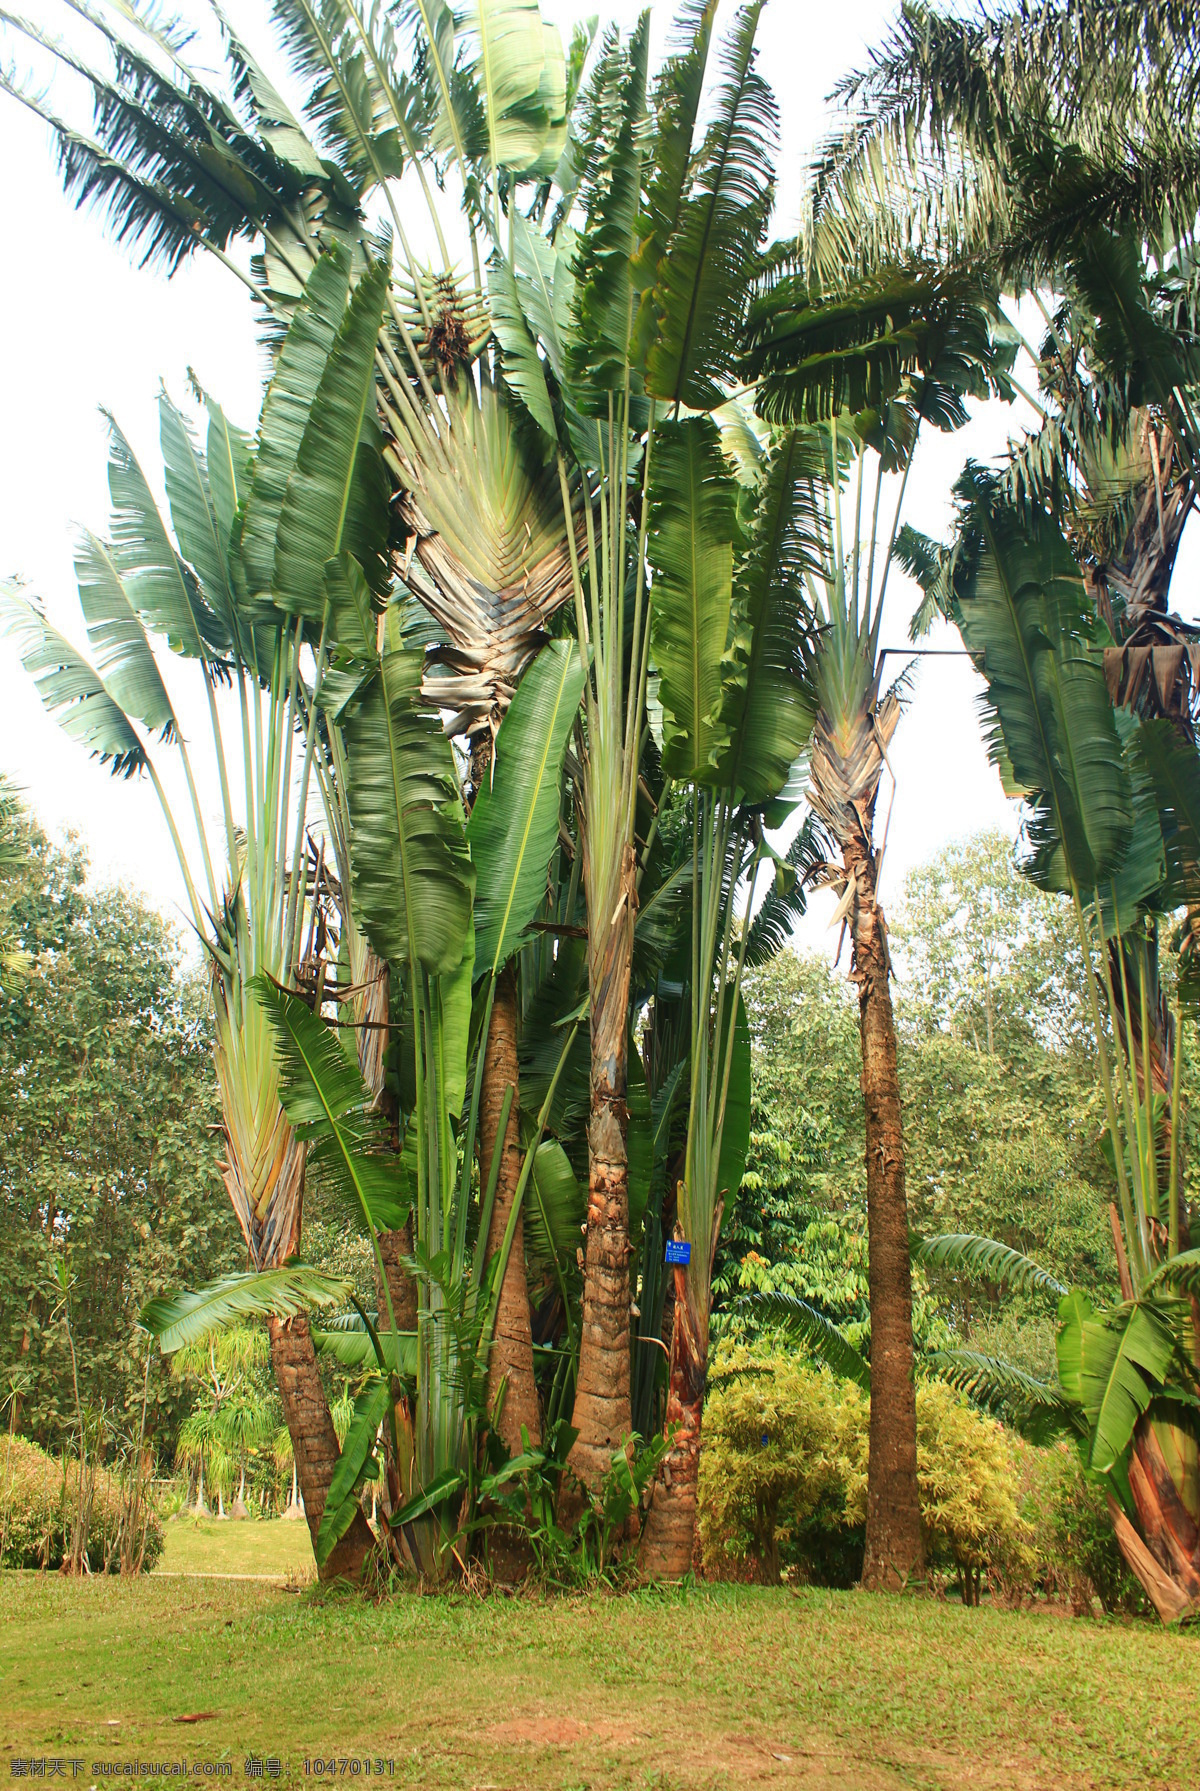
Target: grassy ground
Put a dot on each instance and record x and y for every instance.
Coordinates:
(723, 1686)
(280, 1548)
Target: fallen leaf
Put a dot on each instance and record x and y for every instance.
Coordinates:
(199, 1716)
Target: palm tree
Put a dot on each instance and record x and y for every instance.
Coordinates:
(615, 328)
(486, 554)
(192, 590)
(1114, 811)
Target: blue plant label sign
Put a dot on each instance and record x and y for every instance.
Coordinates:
(678, 1251)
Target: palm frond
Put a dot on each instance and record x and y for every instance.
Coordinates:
(178, 1319)
(990, 1260)
(811, 1327)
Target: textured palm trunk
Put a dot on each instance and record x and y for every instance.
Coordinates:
(511, 1359)
(314, 1441)
(602, 1415)
(894, 1547)
(263, 1173)
(668, 1539)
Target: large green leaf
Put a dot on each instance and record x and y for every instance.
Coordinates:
(331, 1109)
(513, 828)
(413, 878)
(73, 691)
(289, 399)
(611, 130)
(1113, 1365)
(703, 278)
(768, 705)
(554, 1208)
(123, 655)
(193, 514)
(229, 458)
(678, 90)
(522, 88)
(162, 588)
(178, 1319)
(1172, 767)
(692, 526)
(354, 1349)
(1025, 619)
(353, 1465)
(337, 495)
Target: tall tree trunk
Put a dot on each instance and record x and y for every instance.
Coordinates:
(894, 1546)
(314, 1441)
(602, 1414)
(669, 1536)
(394, 1246)
(511, 1359)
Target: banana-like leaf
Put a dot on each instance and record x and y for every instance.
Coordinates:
(990, 1260)
(436, 1493)
(354, 1349)
(1024, 618)
(678, 91)
(229, 456)
(286, 408)
(811, 1327)
(692, 523)
(413, 878)
(524, 372)
(1173, 769)
(330, 1108)
(554, 1207)
(1113, 1365)
(193, 514)
(703, 279)
(337, 495)
(353, 1465)
(769, 705)
(161, 587)
(123, 654)
(352, 615)
(72, 691)
(178, 1319)
(513, 828)
(613, 119)
(520, 73)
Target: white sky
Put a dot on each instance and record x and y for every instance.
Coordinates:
(83, 328)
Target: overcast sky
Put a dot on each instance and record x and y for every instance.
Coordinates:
(83, 329)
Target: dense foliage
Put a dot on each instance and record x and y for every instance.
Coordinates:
(109, 1163)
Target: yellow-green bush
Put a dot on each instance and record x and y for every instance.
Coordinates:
(38, 1499)
(783, 1477)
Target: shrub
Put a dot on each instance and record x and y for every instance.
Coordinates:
(784, 1476)
(38, 1497)
(1074, 1546)
(766, 1464)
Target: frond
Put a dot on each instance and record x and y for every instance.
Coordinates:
(989, 1259)
(811, 1327)
(177, 1319)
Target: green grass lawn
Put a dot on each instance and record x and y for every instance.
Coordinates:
(279, 1548)
(689, 1691)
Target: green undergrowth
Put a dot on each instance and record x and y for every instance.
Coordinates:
(682, 1691)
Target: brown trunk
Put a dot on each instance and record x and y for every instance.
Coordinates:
(511, 1360)
(602, 1414)
(668, 1539)
(314, 1441)
(894, 1548)
(393, 1247)
(1168, 1599)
